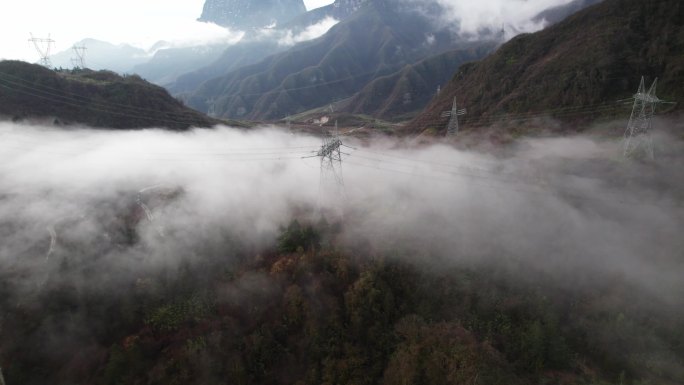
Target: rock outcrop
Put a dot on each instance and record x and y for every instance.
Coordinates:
(245, 14)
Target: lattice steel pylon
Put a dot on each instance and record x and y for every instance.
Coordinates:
(331, 185)
(79, 60)
(43, 46)
(638, 138)
(453, 127)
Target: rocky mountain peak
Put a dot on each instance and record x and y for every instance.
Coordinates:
(247, 14)
(347, 7)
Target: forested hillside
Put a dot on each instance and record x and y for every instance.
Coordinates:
(309, 312)
(97, 99)
(575, 70)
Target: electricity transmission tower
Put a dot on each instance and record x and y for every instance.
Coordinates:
(452, 127)
(79, 60)
(331, 187)
(638, 138)
(43, 46)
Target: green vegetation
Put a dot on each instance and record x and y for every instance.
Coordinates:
(310, 313)
(400, 96)
(97, 99)
(574, 71)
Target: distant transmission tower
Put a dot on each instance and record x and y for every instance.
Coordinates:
(43, 46)
(638, 138)
(452, 127)
(79, 60)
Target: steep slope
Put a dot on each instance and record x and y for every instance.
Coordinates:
(242, 54)
(556, 14)
(406, 92)
(245, 14)
(98, 99)
(409, 90)
(167, 64)
(259, 44)
(574, 70)
(378, 40)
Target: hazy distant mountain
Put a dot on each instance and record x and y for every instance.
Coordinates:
(244, 53)
(97, 99)
(260, 43)
(380, 38)
(573, 70)
(167, 64)
(100, 55)
(247, 14)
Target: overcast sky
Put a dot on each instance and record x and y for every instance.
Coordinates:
(143, 23)
(140, 23)
(311, 4)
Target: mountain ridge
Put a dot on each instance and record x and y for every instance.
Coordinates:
(585, 64)
(378, 40)
(408, 90)
(97, 99)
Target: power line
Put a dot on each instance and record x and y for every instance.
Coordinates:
(518, 179)
(92, 108)
(239, 157)
(438, 120)
(374, 73)
(64, 95)
(226, 151)
(571, 111)
(534, 115)
(543, 190)
(284, 89)
(501, 184)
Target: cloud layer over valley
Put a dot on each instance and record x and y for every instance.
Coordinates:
(567, 206)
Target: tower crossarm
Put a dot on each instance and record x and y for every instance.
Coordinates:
(647, 98)
(329, 148)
